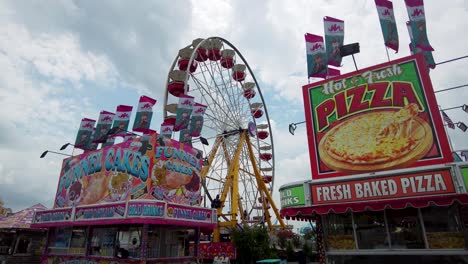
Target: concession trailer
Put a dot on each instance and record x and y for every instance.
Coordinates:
(385, 187)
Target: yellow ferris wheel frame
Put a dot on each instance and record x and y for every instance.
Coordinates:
(231, 185)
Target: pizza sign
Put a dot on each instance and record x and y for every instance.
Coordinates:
(380, 118)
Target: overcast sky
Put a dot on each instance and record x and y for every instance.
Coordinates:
(61, 61)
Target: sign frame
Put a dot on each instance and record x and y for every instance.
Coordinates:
(441, 143)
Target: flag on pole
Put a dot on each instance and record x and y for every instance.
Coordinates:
(184, 110)
(316, 56)
(387, 23)
(92, 144)
(144, 114)
(103, 126)
(333, 72)
(121, 120)
(109, 142)
(417, 21)
(448, 120)
(334, 37)
(414, 49)
(83, 137)
(166, 130)
(184, 137)
(196, 123)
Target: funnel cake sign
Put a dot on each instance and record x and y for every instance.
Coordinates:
(380, 118)
(149, 167)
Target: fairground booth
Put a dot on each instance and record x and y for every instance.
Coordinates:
(384, 186)
(133, 202)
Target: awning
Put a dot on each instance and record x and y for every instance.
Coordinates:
(310, 212)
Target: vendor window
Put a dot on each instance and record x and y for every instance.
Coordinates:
(339, 231)
(67, 240)
(120, 242)
(59, 240)
(443, 227)
(78, 241)
(23, 245)
(405, 228)
(103, 242)
(174, 242)
(128, 242)
(370, 230)
(6, 243)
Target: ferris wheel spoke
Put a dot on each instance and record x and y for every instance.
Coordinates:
(226, 86)
(214, 101)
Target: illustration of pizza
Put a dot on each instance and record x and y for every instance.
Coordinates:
(377, 140)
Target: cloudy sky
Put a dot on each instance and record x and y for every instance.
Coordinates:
(61, 61)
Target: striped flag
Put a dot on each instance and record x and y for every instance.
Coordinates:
(448, 120)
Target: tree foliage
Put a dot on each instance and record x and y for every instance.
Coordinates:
(252, 243)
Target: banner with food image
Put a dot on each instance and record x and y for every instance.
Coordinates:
(144, 114)
(83, 137)
(146, 167)
(379, 118)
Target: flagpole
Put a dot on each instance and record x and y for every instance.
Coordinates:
(386, 49)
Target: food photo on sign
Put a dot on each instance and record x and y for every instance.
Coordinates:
(380, 118)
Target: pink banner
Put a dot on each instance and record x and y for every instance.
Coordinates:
(146, 209)
(180, 212)
(100, 212)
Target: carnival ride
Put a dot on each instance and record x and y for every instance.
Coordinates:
(239, 169)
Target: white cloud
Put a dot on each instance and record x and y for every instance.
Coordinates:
(63, 60)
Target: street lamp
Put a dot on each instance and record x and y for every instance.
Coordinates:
(293, 126)
(462, 126)
(465, 108)
(66, 145)
(58, 153)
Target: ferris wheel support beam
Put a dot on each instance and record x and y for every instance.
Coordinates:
(262, 186)
(206, 168)
(232, 185)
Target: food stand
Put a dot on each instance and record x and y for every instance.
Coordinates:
(128, 204)
(384, 186)
(19, 243)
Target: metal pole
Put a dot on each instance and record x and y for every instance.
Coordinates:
(386, 49)
(355, 65)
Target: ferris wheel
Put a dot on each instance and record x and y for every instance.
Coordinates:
(239, 164)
